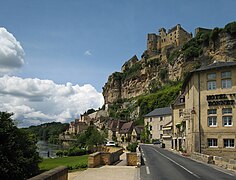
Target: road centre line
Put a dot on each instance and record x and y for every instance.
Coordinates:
(177, 163)
(147, 170)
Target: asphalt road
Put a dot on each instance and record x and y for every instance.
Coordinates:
(161, 164)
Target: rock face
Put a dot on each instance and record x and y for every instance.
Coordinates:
(146, 75)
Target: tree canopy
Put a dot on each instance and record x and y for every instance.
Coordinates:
(18, 156)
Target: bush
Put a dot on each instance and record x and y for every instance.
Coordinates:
(77, 166)
(132, 147)
(76, 152)
(60, 153)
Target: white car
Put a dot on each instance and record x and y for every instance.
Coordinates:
(110, 143)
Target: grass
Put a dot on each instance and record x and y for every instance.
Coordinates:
(72, 162)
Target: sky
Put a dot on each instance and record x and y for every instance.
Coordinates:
(56, 55)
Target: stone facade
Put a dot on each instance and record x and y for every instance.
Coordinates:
(175, 37)
(156, 121)
(210, 97)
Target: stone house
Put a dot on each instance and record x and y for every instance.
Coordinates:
(124, 134)
(136, 133)
(156, 120)
(179, 123)
(114, 127)
(210, 110)
(77, 127)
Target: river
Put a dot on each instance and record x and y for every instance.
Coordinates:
(47, 150)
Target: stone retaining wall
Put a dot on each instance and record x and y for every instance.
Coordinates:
(132, 159)
(225, 163)
(219, 161)
(59, 173)
(104, 158)
(202, 157)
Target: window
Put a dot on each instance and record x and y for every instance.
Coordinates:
(150, 128)
(160, 128)
(226, 74)
(228, 143)
(212, 118)
(212, 121)
(227, 111)
(180, 112)
(211, 76)
(226, 83)
(150, 120)
(161, 118)
(226, 80)
(212, 142)
(211, 111)
(211, 83)
(227, 120)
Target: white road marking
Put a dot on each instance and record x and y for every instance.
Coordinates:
(147, 170)
(144, 159)
(177, 164)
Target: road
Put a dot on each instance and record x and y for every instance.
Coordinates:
(161, 164)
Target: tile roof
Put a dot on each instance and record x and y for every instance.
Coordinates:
(126, 127)
(160, 112)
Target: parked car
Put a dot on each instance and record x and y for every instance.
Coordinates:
(110, 143)
(156, 142)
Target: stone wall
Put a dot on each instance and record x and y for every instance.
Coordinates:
(103, 158)
(219, 161)
(94, 160)
(202, 157)
(132, 159)
(59, 173)
(225, 163)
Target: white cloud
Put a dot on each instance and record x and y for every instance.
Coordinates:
(88, 53)
(35, 101)
(11, 52)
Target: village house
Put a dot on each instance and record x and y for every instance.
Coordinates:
(76, 127)
(136, 133)
(208, 110)
(156, 120)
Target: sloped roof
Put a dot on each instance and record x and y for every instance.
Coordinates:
(159, 112)
(179, 100)
(215, 65)
(138, 129)
(126, 127)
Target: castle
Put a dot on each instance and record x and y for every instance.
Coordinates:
(175, 37)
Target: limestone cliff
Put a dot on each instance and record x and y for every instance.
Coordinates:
(146, 75)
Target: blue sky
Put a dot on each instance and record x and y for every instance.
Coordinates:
(68, 48)
(55, 34)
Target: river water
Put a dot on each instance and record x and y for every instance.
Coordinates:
(47, 150)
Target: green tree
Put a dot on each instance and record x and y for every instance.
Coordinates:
(18, 156)
(90, 138)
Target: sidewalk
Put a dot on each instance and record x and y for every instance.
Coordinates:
(113, 172)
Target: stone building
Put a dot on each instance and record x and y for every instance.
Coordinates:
(179, 123)
(175, 37)
(209, 111)
(77, 127)
(156, 120)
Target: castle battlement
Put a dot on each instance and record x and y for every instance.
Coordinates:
(175, 36)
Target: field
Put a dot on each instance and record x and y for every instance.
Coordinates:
(72, 162)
